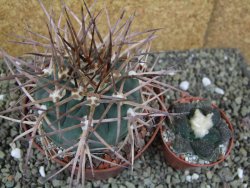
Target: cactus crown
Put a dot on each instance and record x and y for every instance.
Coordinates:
(199, 129)
(88, 95)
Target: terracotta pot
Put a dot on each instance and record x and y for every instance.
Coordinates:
(101, 174)
(178, 163)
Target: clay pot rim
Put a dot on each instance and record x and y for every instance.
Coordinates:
(230, 144)
(123, 165)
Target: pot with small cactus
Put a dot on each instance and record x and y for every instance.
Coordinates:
(90, 103)
(197, 134)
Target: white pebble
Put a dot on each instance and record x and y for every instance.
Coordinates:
(206, 81)
(184, 85)
(16, 153)
(186, 172)
(1, 97)
(219, 91)
(42, 171)
(172, 73)
(195, 176)
(240, 173)
(189, 178)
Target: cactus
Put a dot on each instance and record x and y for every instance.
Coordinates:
(88, 96)
(186, 140)
(108, 131)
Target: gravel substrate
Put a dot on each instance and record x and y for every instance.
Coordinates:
(229, 89)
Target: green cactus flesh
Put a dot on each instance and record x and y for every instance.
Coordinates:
(182, 145)
(203, 148)
(108, 131)
(206, 147)
(224, 132)
(181, 126)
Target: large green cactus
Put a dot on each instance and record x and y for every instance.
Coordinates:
(186, 141)
(108, 131)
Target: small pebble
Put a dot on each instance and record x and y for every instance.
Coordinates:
(10, 184)
(240, 173)
(195, 176)
(58, 183)
(189, 178)
(18, 176)
(184, 85)
(243, 152)
(186, 172)
(171, 73)
(209, 175)
(159, 186)
(16, 153)
(2, 155)
(219, 91)
(244, 111)
(42, 171)
(1, 97)
(238, 100)
(129, 184)
(168, 180)
(206, 81)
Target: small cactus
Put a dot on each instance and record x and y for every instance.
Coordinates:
(87, 95)
(203, 143)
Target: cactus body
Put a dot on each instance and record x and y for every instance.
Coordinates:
(206, 147)
(108, 131)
